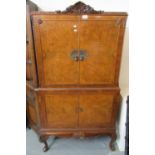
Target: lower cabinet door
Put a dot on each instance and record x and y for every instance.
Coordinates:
(61, 111)
(96, 110)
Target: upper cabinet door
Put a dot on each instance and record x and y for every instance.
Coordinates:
(56, 43)
(100, 44)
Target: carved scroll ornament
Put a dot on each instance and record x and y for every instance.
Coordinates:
(80, 8)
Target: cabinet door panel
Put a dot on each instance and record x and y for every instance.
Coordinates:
(55, 41)
(61, 111)
(100, 40)
(96, 110)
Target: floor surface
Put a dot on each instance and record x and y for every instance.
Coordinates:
(98, 145)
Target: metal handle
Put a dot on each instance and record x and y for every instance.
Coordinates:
(74, 55)
(81, 58)
(83, 55)
(76, 58)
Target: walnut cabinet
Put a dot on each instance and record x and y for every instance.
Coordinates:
(73, 62)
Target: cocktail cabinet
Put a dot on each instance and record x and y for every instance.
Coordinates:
(73, 62)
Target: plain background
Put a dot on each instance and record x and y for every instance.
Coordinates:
(13, 66)
(107, 5)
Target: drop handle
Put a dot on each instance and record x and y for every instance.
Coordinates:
(74, 55)
(81, 58)
(76, 58)
(83, 55)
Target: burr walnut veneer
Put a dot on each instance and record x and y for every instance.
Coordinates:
(73, 63)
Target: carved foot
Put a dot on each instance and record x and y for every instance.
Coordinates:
(112, 142)
(45, 148)
(43, 139)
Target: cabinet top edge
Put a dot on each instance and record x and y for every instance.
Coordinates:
(76, 14)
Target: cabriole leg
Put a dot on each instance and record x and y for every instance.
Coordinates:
(112, 142)
(43, 139)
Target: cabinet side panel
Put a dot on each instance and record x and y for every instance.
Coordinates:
(30, 61)
(32, 114)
